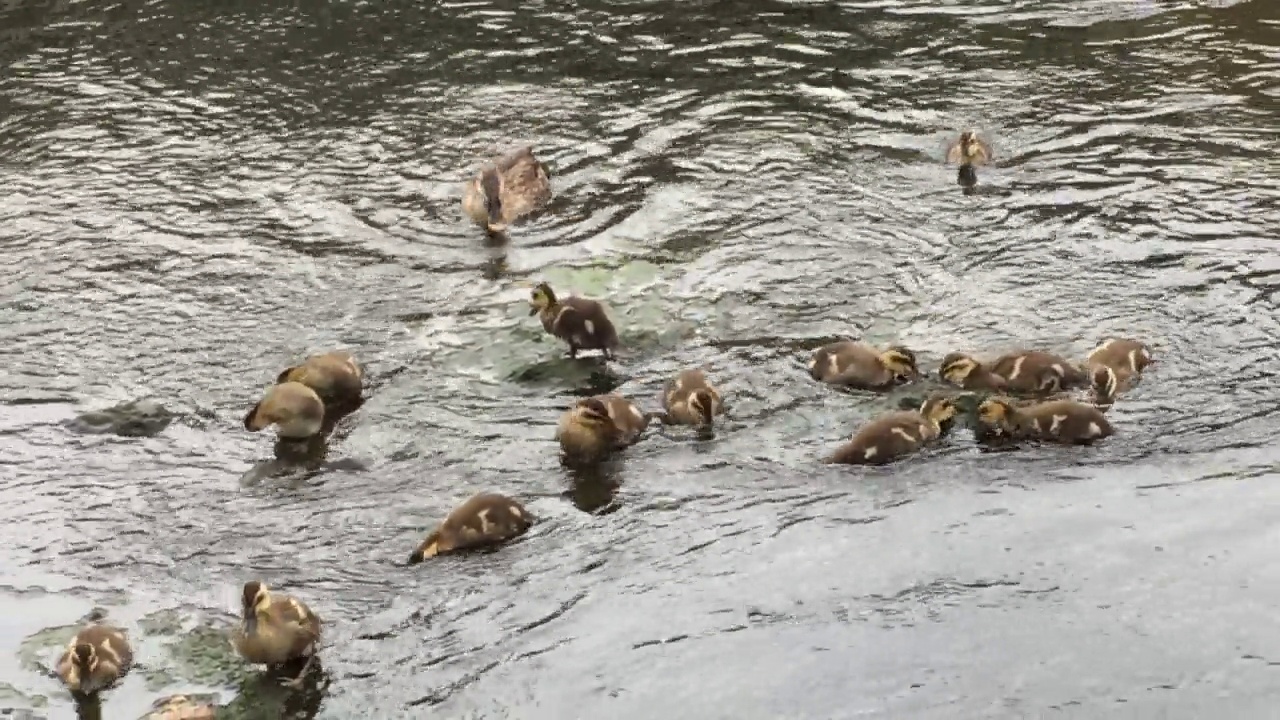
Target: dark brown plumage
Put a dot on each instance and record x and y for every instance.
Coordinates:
(1061, 421)
(485, 519)
(896, 434)
(858, 365)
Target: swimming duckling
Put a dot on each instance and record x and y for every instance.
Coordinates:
(510, 187)
(1126, 358)
(969, 151)
(295, 409)
(335, 376)
(895, 434)
(580, 322)
(97, 657)
(598, 425)
(180, 707)
(858, 365)
(275, 629)
(1025, 371)
(690, 399)
(1062, 421)
(486, 519)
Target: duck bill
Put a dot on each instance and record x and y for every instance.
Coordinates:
(250, 623)
(533, 310)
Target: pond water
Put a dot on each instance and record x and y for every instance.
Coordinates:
(197, 195)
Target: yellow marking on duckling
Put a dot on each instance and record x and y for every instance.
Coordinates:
(1094, 429)
(635, 412)
(515, 510)
(1017, 366)
(904, 434)
(1057, 367)
(1133, 360)
(589, 326)
(1057, 422)
(870, 452)
(483, 517)
(110, 650)
(833, 364)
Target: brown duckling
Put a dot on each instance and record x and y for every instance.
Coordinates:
(598, 425)
(97, 657)
(335, 376)
(275, 629)
(895, 434)
(1127, 359)
(180, 707)
(580, 322)
(486, 519)
(1025, 371)
(690, 399)
(1061, 421)
(295, 409)
(969, 149)
(858, 365)
(507, 189)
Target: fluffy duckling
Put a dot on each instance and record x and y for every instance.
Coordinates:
(335, 376)
(858, 365)
(486, 519)
(895, 434)
(97, 657)
(1127, 359)
(180, 707)
(510, 187)
(275, 629)
(1062, 421)
(969, 149)
(295, 409)
(690, 399)
(598, 425)
(580, 322)
(1026, 371)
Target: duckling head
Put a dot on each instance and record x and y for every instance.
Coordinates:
(491, 185)
(594, 413)
(541, 298)
(254, 599)
(901, 362)
(940, 410)
(1105, 385)
(997, 412)
(957, 367)
(701, 402)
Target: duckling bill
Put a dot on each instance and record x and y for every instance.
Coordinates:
(486, 519)
(507, 189)
(580, 322)
(897, 434)
(858, 365)
(95, 659)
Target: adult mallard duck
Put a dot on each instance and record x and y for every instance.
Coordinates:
(580, 322)
(295, 409)
(274, 629)
(506, 189)
(1127, 358)
(896, 434)
(484, 520)
(858, 365)
(690, 399)
(599, 425)
(96, 658)
(335, 376)
(1025, 371)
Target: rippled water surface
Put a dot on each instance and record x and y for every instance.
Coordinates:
(196, 195)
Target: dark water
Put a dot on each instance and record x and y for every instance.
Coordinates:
(197, 194)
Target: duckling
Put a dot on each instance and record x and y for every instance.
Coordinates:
(486, 519)
(275, 629)
(1061, 421)
(858, 365)
(1025, 371)
(969, 149)
(505, 190)
(295, 409)
(335, 376)
(180, 707)
(580, 322)
(896, 434)
(598, 425)
(1127, 359)
(690, 399)
(97, 657)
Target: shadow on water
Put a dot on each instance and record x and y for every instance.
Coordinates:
(196, 196)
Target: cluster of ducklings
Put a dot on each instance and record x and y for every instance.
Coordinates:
(1030, 401)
